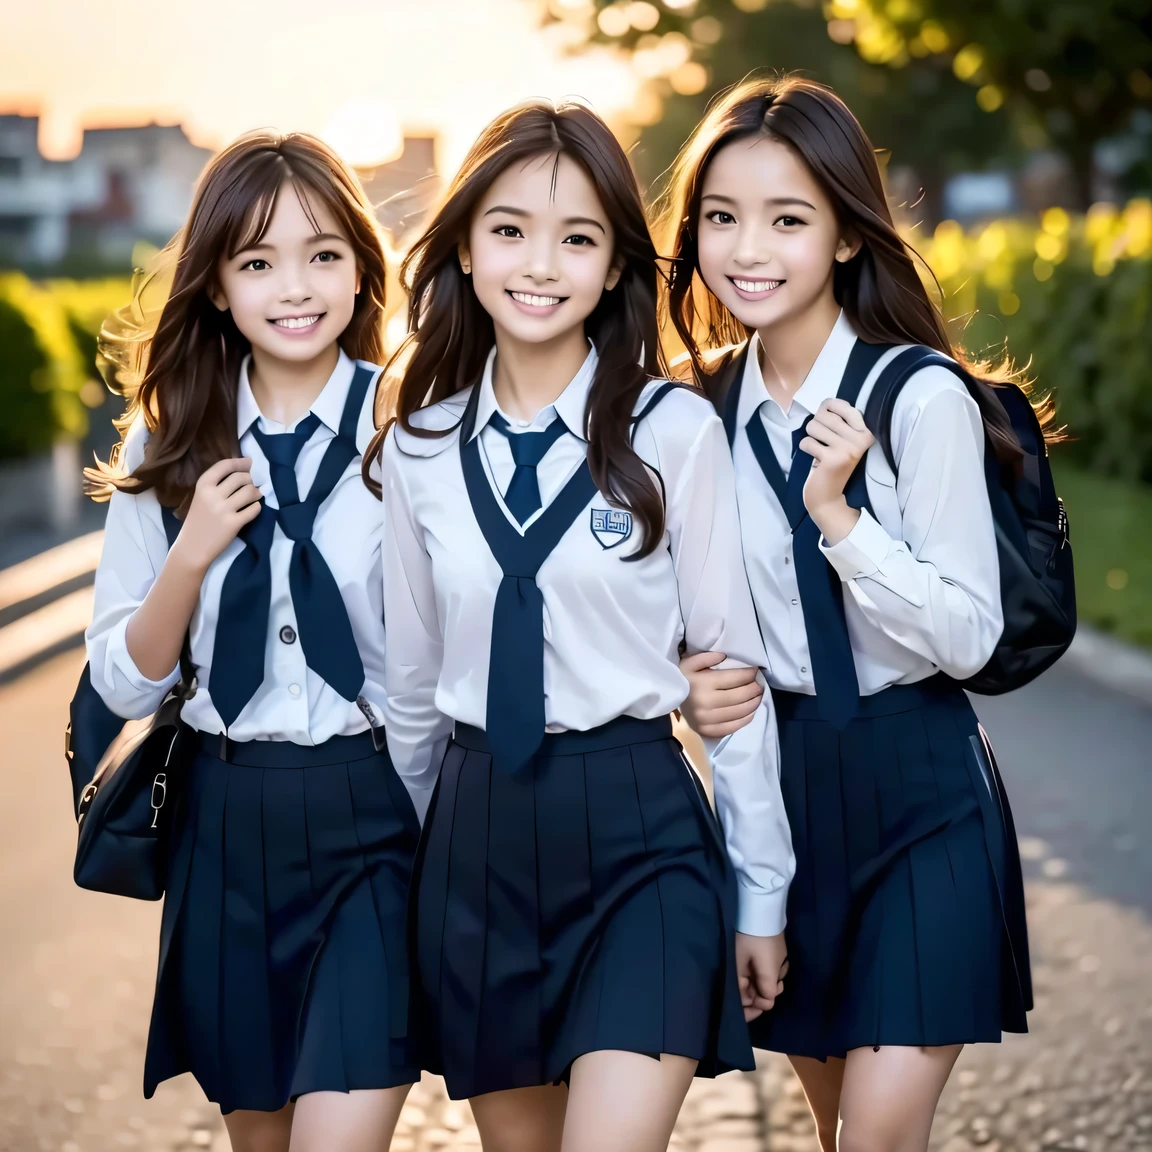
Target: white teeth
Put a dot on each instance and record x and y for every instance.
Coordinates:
(535, 301)
(296, 321)
(756, 285)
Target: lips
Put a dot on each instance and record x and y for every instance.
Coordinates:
(531, 300)
(298, 323)
(755, 285)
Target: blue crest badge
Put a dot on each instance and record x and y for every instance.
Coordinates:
(611, 526)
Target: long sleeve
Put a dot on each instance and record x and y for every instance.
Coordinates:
(937, 591)
(719, 615)
(414, 652)
(134, 550)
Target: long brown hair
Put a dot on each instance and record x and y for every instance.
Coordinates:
(180, 371)
(450, 333)
(879, 288)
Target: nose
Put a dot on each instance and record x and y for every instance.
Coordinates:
(541, 264)
(753, 248)
(295, 286)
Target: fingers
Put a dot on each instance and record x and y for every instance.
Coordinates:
(853, 417)
(232, 482)
(243, 497)
(727, 679)
(212, 476)
(738, 696)
(701, 661)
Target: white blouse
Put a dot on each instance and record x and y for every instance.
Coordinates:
(921, 578)
(293, 703)
(612, 629)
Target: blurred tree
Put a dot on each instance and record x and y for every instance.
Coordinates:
(1059, 73)
(28, 424)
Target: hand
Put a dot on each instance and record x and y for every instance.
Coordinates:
(837, 439)
(225, 499)
(720, 701)
(761, 965)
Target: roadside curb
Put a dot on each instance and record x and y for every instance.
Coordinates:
(1111, 663)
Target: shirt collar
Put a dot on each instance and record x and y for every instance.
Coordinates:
(570, 406)
(821, 383)
(328, 406)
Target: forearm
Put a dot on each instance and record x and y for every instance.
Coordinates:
(156, 630)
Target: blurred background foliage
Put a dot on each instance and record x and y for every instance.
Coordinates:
(946, 85)
(48, 381)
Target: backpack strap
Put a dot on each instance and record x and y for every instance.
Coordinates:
(897, 373)
(664, 389)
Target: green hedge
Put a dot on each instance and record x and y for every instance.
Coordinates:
(1072, 297)
(48, 378)
(1109, 522)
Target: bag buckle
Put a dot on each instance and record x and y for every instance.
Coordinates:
(159, 795)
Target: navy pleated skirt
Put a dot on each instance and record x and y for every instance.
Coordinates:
(283, 953)
(585, 905)
(906, 914)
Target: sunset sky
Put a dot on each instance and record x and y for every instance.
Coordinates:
(341, 68)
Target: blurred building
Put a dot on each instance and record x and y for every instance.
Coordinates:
(404, 189)
(131, 184)
(125, 185)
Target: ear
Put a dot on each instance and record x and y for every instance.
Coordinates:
(216, 295)
(465, 258)
(850, 243)
(359, 281)
(614, 274)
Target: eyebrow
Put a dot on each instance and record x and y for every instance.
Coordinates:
(524, 215)
(318, 238)
(779, 200)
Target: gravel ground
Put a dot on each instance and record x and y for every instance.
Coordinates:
(77, 968)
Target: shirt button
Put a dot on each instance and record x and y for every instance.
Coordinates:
(288, 634)
(294, 689)
(795, 601)
(787, 559)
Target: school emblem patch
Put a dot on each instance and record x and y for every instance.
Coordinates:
(611, 526)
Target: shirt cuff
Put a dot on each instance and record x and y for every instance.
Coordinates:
(125, 667)
(862, 552)
(761, 913)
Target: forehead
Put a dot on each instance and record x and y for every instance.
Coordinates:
(298, 214)
(760, 167)
(544, 185)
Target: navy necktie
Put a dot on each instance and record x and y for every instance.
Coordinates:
(528, 448)
(821, 591)
(325, 633)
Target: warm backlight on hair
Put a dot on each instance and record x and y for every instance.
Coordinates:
(364, 134)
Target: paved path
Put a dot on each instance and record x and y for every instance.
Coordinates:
(77, 967)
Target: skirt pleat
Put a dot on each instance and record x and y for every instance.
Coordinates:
(283, 944)
(576, 908)
(898, 931)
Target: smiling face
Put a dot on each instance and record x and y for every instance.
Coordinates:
(539, 249)
(768, 234)
(293, 291)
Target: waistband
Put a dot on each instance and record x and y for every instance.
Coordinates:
(618, 733)
(891, 701)
(285, 754)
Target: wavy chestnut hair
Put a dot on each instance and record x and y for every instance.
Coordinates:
(179, 370)
(450, 333)
(879, 288)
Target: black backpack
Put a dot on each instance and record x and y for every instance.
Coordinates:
(1037, 589)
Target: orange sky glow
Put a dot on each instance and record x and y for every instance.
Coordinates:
(353, 71)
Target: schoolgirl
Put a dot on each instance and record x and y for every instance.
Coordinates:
(875, 590)
(557, 523)
(282, 970)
